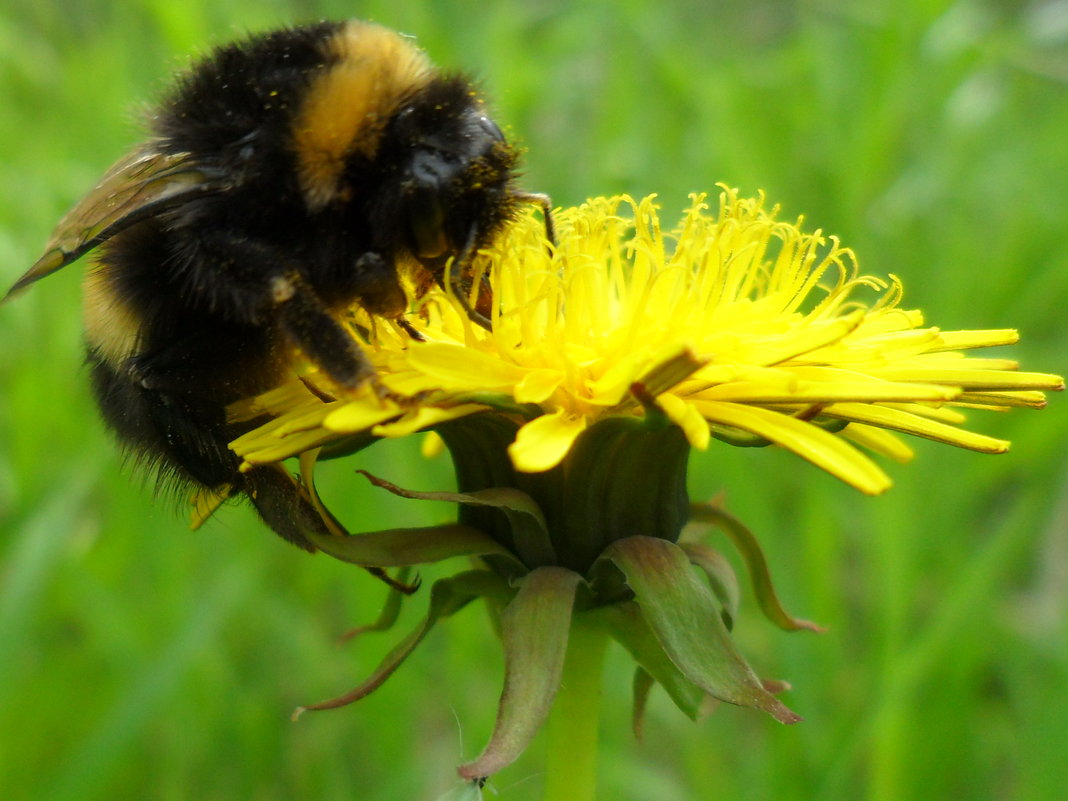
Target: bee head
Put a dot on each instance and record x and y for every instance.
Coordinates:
(452, 181)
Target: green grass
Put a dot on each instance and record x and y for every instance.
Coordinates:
(141, 660)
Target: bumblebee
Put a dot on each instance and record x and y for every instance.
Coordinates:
(287, 177)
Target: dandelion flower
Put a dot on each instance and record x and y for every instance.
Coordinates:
(570, 418)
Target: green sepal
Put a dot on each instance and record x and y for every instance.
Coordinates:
(603, 490)
(397, 547)
(390, 610)
(744, 439)
(447, 596)
(534, 626)
(530, 532)
(618, 492)
(409, 546)
(684, 617)
(347, 446)
(628, 626)
(721, 578)
(749, 549)
(737, 437)
(640, 687)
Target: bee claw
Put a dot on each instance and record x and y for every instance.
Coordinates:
(410, 329)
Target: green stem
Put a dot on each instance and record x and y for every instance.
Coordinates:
(571, 767)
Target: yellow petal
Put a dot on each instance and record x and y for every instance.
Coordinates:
(351, 418)
(432, 445)
(205, 501)
(806, 440)
(804, 342)
(686, 417)
(424, 417)
(900, 420)
(1024, 398)
(614, 385)
(460, 367)
(964, 340)
(274, 449)
(313, 418)
(879, 440)
(971, 379)
(943, 414)
(787, 391)
(543, 442)
(538, 385)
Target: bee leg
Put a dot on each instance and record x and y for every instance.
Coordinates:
(543, 202)
(410, 330)
(250, 283)
(376, 285)
(283, 505)
(311, 326)
(460, 266)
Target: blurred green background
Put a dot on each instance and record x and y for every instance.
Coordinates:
(141, 660)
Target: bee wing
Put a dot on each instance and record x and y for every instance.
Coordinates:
(142, 184)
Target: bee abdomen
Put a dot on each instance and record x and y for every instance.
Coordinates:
(182, 443)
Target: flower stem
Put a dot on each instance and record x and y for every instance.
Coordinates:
(571, 766)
